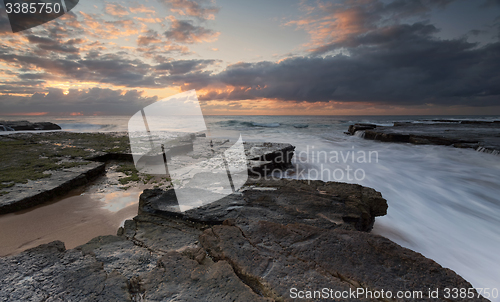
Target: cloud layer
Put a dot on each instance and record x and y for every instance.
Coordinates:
(87, 102)
(372, 52)
(362, 51)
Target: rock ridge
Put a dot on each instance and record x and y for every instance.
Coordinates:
(254, 245)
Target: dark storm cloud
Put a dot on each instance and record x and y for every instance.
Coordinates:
(351, 19)
(396, 35)
(497, 25)
(116, 70)
(376, 10)
(28, 62)
(94, 100)
(193, 80)
(401, 64)
(492, 2)
(21, 87)
(53, 44)
(368, 54)
(113, 69)
(404, 8)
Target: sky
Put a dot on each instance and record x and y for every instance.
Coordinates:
(274, 57)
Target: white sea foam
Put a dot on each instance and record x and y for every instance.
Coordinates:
(359, 134)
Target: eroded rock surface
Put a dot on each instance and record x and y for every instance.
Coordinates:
(37, 167)
(273, 258)
(325, 205)
(254, 245)
(480, 135)
(22, 196)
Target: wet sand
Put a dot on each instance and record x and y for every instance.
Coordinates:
(75, 219)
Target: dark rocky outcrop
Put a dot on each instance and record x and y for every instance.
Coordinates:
(27, 126)
(360, 127)
(325, 205)
(480, 135)
(266, 157)
(273, 258)
(251, 246)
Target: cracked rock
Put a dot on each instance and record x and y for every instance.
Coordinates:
(253, 245)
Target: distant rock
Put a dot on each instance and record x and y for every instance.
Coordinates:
(26, 126)
(463, 121)
(480, 135)
(359, 127)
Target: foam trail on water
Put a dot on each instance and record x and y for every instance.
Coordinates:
(359, 134)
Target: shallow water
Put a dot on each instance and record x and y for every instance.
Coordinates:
(96, 210)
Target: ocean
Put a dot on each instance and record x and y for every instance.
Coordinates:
(443, 202)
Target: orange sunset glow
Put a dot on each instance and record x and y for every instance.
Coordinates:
(315, 57)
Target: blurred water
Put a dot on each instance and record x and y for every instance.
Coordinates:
(443, 202)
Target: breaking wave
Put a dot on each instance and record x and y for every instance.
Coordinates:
(235, 123)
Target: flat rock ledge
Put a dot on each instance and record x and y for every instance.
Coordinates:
(24, 196)
(480, 135)
(253, 245)
(85, 154)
